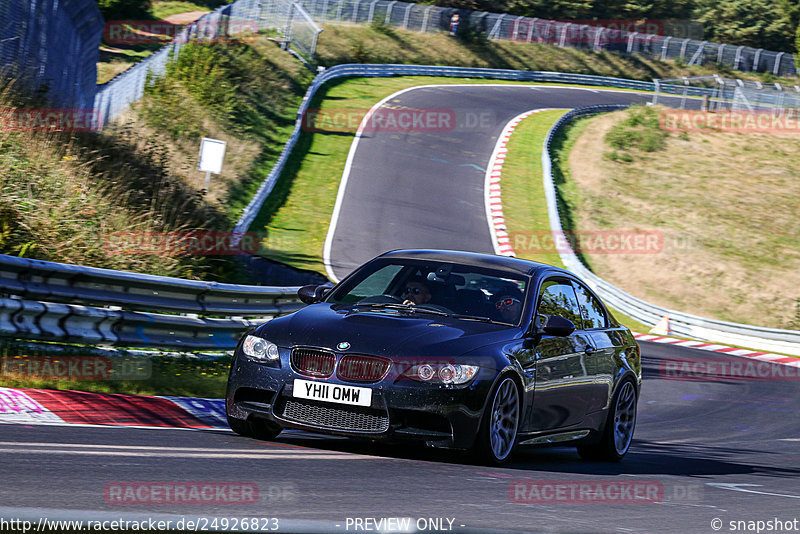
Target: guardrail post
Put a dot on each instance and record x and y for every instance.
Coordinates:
(657, 83)
(685, 91)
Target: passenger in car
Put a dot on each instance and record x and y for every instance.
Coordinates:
(509, 308)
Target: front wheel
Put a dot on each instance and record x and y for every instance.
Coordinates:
(618, 432)
(498, 435)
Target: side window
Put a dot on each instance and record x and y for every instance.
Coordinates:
(592, 311)
(557, 297)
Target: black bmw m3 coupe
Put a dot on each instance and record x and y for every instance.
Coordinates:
(456, 349)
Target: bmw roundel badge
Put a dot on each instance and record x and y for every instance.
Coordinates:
(344, 345)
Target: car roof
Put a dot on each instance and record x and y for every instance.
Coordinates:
(476, 259)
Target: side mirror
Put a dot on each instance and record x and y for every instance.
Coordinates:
(555, 326)
(312, 294)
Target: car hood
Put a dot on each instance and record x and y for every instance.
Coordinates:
(383, 332)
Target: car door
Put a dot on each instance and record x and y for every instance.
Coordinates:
(601, 349)
(562, 382)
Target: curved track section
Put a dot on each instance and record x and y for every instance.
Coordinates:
(423, 187)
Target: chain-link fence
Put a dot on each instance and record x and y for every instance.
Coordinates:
(51, 46)
(293, 26)
(653, 40)
(723, 94)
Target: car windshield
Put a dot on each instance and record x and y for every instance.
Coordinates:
(462, 291)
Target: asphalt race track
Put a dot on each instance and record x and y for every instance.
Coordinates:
(424, 188)
(709, 448)
(714, 449)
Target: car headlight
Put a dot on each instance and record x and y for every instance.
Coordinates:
(446, 373)
(260, 349)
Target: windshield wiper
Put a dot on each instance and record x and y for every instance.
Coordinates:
(474, 318)
(404, 307)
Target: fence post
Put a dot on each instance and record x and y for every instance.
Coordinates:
(756, 58)
(685, 92)
(496, 28)
(738, 57)
(720, 53)
(665, 48)
(371, 11)
(534, 21)
(657, 83)
(778, 59)
(597, 34)
(425, 18)
(325, 12)
(563, 39)
(515, 34)
(355, 10)
(339, 11)
(683, 48)
(408, 13)
(389, 12)
(697, 56)
(631, 37)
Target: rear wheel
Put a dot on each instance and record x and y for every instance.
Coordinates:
(618, 432)
(498, 435)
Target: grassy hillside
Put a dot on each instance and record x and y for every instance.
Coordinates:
(724, 203)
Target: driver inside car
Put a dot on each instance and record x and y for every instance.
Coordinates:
(416, 292)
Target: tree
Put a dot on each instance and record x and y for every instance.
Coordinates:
(124, 9)
(755, 23)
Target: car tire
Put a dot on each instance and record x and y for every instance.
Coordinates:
(618, 431)
(253, 428)
(498, 435)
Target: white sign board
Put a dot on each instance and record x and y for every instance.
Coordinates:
(212, 152)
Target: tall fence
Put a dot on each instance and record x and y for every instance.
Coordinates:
(293, 26)
(736, 95)
(654, 39)
(51, 46)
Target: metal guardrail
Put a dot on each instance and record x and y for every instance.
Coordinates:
(77, 304)
(771, 339)
(387, 70)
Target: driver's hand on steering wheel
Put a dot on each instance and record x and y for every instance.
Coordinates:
(408, 302)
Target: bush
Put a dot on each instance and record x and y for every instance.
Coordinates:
(640, 130)
(124, 9)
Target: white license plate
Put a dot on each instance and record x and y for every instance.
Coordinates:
(306, 389)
